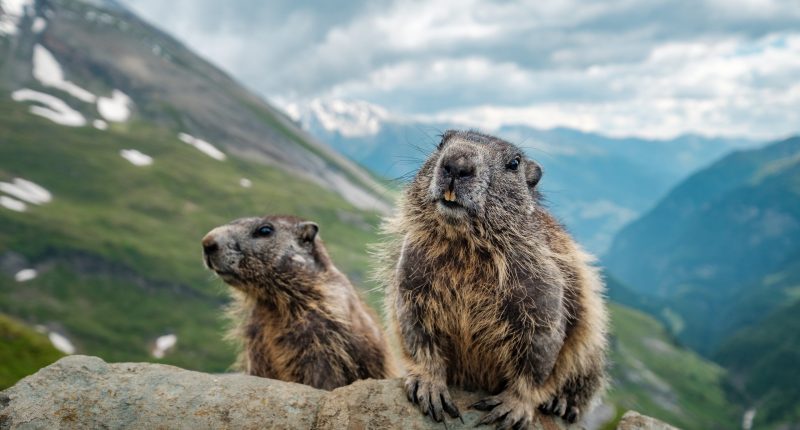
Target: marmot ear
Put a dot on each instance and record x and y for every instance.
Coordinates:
(533, 173)
(307, 231)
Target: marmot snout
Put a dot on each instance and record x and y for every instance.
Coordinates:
(299, 319)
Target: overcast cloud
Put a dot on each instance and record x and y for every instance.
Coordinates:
(623, 67)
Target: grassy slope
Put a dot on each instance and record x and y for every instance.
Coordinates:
(764, 361)
(22, 351)
(137, 231)
(655, 376)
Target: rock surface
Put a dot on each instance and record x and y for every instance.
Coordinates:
(86, 392)
(633, 420)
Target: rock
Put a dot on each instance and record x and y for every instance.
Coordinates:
(86, 392)
(633, 420)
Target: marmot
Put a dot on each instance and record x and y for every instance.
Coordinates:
(299, 318)
(486, 290)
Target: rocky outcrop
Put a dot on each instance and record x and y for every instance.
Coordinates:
(86, 392)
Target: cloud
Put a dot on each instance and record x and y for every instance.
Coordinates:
(653, 68)
(724, 88)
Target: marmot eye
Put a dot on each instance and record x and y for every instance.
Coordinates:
(513, 164)
(264, 230)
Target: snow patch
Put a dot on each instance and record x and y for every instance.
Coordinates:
(100, 124)
(47, 71)
(27, 191)
(39, 24)
(115, 108)
(245, 183)
(13, 11)
(25, 275)
(292, 110)
(55, 109)
(202, 146)
(16, 7)
(136, 158)
(348, 118)
(61, 343)
(7, 26)
(164, 344)
(12, 204)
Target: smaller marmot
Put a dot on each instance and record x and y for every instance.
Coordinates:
(298, 317)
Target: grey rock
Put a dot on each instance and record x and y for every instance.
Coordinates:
(633, 420)
(86, 392)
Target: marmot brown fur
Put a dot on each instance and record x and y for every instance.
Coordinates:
(299, 318)
(487, 291)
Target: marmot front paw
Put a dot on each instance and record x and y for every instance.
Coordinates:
(507, 410)
(432, 397)
(562, 407)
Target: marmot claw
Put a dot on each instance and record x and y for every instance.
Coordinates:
(507, 411)
(433, 398)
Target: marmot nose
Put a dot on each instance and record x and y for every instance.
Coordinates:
(460, 166)
(210, 245)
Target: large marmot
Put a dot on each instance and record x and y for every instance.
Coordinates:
(487, 291)
(299, 318)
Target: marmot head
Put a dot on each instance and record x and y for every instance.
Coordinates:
(472, 177)
(258, 255)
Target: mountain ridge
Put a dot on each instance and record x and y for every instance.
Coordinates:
(594, 183)
(176, 89)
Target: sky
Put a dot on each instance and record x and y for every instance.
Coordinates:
(647, 68)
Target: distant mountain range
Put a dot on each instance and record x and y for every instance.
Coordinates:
(718, 259)
(595, 184)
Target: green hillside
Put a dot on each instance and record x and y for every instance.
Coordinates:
(118, 247)
(651, 372)
(764, 361)
(22, 351)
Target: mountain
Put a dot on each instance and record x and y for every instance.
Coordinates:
(594, 183)
(119, 150)
(718, 259)
(105, 65)
(724, 236)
